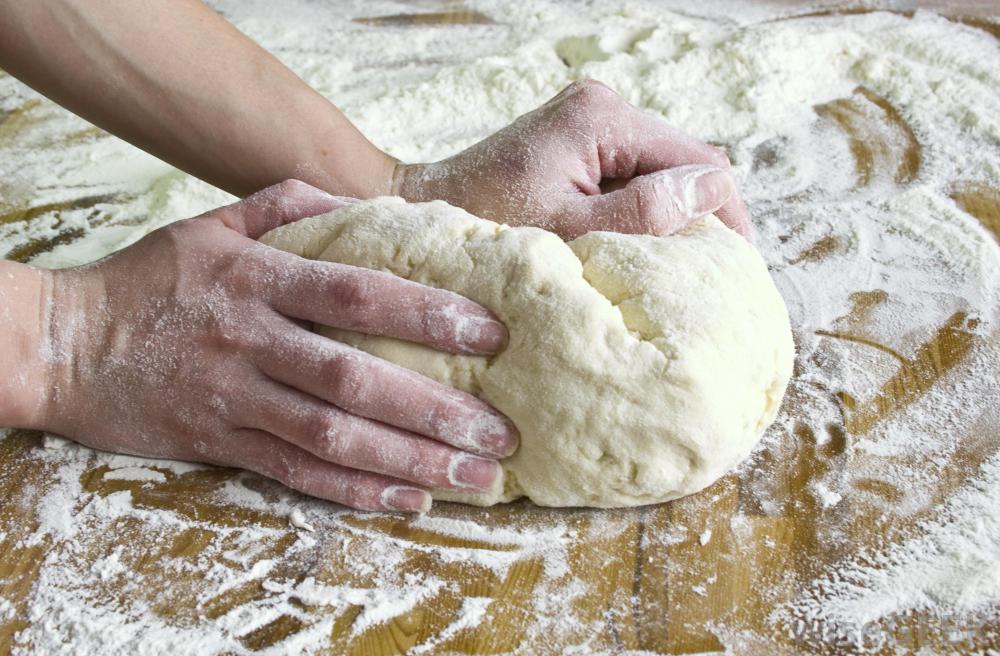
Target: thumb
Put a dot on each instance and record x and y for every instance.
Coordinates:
(658, 203)
(285, 202)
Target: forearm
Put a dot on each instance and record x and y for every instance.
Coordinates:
(180, 82)
(24, 293)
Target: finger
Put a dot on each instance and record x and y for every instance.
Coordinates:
(644, 144)
(282, 461)
(655, 146)
(658, 203)
(370, 387)
(379, 303)
(629, 141)
(363, 444)
(277, 205)
(734, 213)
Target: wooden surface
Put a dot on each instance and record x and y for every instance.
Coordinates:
(642, 592)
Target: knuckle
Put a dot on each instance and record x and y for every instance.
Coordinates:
(204, 237)
(445, 419)
(655, 210)
(221, 325)
(587, 85)
(228, 335)
(244, 273)
(334, 438)
(439, 418)
(645, 208)
(193, 227)
(438, 320)
(354, 291)
(589, 92)
(336, 367)
(290, 473)
(290, 185)
(349, 378)
(418, 463)
(321, 432)
(203, 448)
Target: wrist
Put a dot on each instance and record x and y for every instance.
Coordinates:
(368, 173)
(365, 172)
(76, 334)
(26, 294)
(354, 167)
(413, 183)
(399, 174)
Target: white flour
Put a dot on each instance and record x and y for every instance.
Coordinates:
(951, 566)
(738, 79)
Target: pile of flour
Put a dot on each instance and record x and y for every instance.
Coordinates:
(742, 78)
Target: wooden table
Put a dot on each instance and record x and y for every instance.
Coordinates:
(643, 592)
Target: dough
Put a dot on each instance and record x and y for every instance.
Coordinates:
(639, 368)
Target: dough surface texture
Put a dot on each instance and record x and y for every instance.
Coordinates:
(639, 369)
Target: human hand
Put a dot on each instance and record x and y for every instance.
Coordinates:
(549, 168)
(194, 344)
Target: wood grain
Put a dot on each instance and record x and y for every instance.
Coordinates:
(678, 578)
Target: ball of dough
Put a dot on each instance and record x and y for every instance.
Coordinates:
(639, 368)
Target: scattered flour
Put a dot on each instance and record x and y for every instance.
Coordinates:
(7, 610)
(55, 442)
(297, 519)
(740, 78)
(471, 614)
(951, 566)
(135, 474)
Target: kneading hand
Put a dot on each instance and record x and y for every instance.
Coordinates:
(549, 168)
(194, 344)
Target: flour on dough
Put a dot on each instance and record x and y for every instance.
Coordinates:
(639, 369)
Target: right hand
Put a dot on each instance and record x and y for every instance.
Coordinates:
(585, 160)
(194, 344)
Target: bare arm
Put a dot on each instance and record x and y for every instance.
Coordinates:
(194, 344)
(174, 78)
(177, 80)
(24, 294)
(183, 84)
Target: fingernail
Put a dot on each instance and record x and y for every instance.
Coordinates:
(724, 154)
(487, 432)
(481, 335)
(712, 188)
(406, 499)
(467, 470)
(502, 437)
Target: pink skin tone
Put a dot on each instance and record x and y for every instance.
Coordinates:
(194, 343)
(549, 168)
(191, 345)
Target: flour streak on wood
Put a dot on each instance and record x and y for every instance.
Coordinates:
(636, 579)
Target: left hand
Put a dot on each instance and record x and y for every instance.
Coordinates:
(194, 344)
(586, 160)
